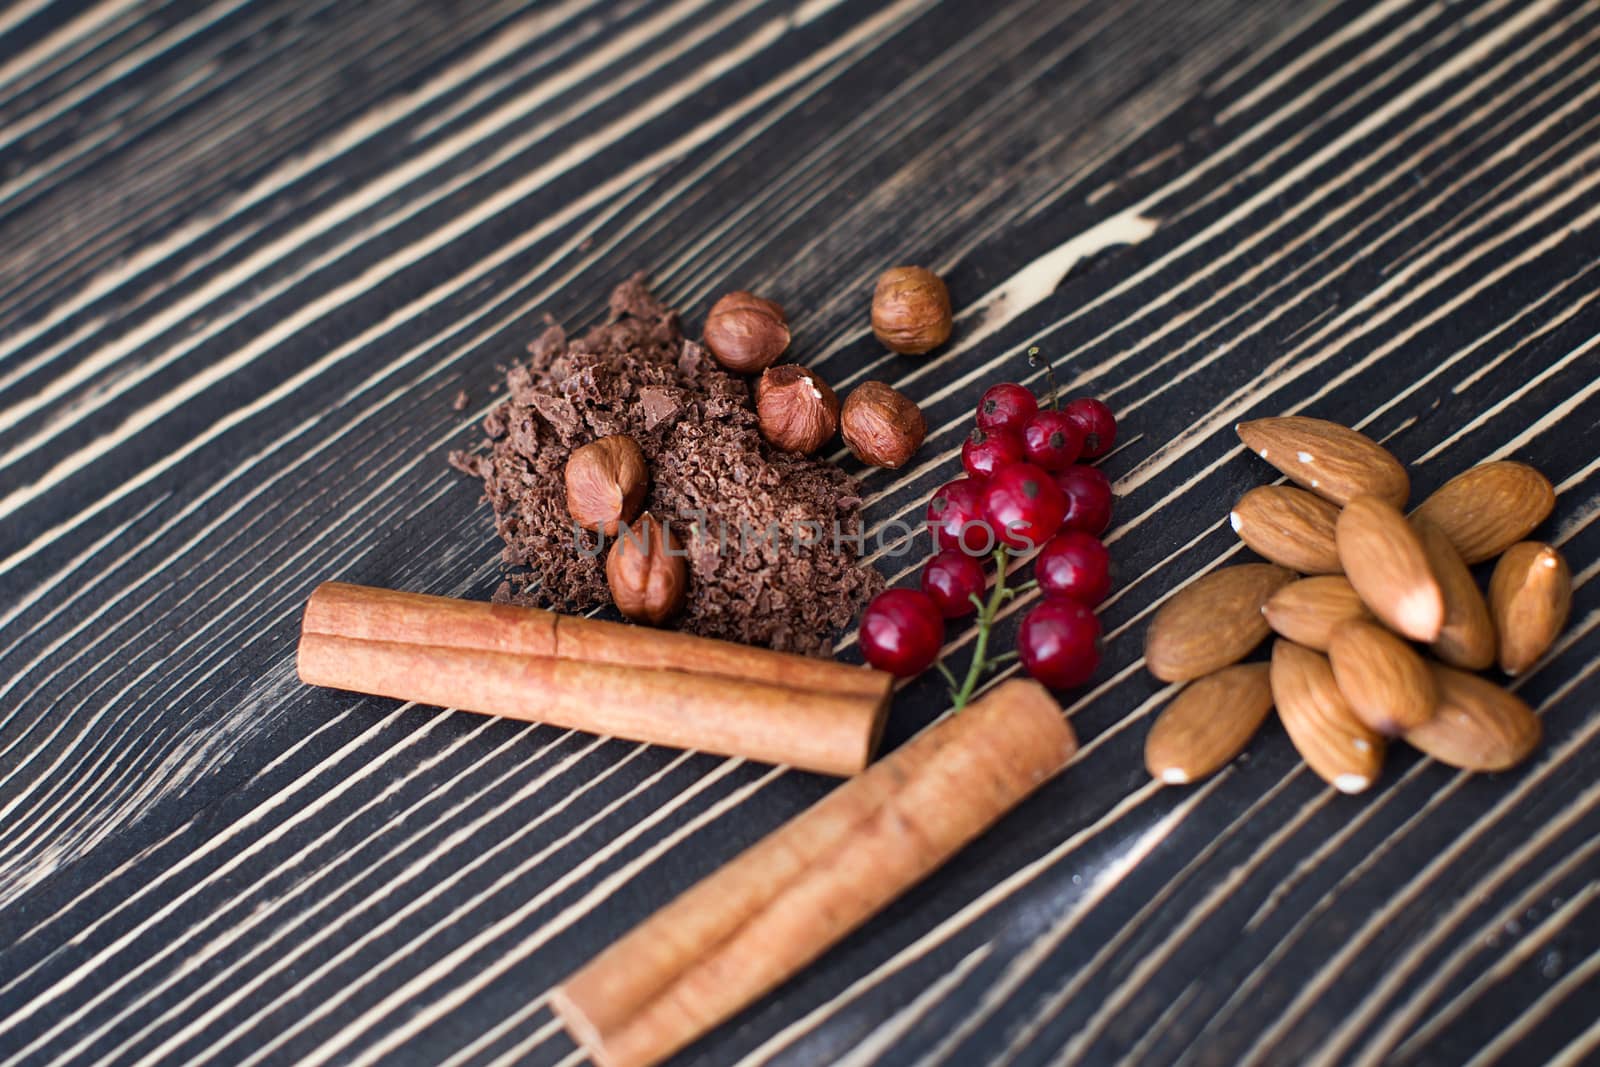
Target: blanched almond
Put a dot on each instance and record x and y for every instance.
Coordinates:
(1208, 724)
(1530, 595)
(1290, 527)
(1384, 559)
(1386, 683)
(1488, 508)
(1331, 460)
(1211, 622)
(1337, 745)
(1466, 639)
(1478, 726)
(1307, 611)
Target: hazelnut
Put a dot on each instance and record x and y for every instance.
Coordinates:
(648, 572)
(606, 483)
(798, 411)
(746, 333)
(882, 425)
(911, 310)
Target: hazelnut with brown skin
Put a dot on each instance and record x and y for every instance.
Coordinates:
(911, 310)
(745, 333)
(606, 483)
(648, 572)
(882, 426)
(797, 410)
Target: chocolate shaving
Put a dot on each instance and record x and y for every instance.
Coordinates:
(721, 486)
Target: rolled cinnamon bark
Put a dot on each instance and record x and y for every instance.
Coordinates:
(345, 610)
(830, 733)
(783, 902)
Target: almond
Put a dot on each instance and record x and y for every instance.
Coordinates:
(1489, 508)
(1530, 595)
(1385, 682)
(1478, 725)
(1211, 622)
(1291, 527)
(1208, 724)
(1466, 639)
(1342, 749)
(1307, 611)
(1384, 559)
(1331, 460)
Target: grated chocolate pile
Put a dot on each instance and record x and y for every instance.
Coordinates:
(638, 375)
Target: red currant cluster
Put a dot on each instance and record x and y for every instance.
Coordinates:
(1024, 488)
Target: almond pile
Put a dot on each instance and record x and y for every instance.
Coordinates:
(1380, 624)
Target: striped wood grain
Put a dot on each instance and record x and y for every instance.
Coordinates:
(252, 249)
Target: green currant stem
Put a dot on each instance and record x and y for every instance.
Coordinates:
(1034, 359)
(981, 663)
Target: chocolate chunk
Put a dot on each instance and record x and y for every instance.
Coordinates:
(661, 404)
(547, 345)
(557, 411)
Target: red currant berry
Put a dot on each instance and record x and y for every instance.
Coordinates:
(956, 515)
(1023, 506)
(1088, 493)
(1074, 564)
(1006, 407)
(1099, 426)
(987, 450)
(1052, 440)
(902, 632)
(1059, 643)
(952, 579)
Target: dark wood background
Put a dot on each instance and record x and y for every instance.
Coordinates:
(249, 252)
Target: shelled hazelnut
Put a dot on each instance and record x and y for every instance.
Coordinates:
(882, 426)
(911, 310)
(606, 483)
(746, 333)
(798, 411)
(648, 572)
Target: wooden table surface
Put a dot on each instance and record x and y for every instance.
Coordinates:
(250, 251)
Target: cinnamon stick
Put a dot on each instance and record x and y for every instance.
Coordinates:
(783, 902)
(830, 733)
(345, 610)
